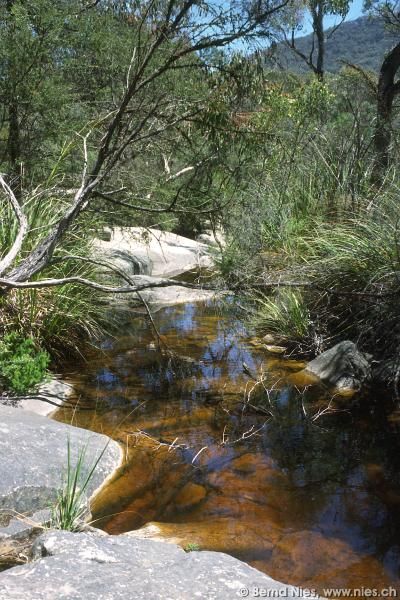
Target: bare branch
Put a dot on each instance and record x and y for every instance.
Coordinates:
(47, 283)
(291, 43)
(9, 258)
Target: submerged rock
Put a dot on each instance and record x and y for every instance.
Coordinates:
(190, 495)
(89, 567)
(343, 367)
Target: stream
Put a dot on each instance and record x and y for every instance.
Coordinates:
(307, 495)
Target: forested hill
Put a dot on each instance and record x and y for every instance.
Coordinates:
(363, 41)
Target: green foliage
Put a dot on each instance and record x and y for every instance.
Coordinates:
(277, 160)
(71, 508)
(350, 269)
(285, 314)
(359, 260)
(192, 547)
(60, 67)
(311, 151)
(22, 364)
(60, 317)
(362, 254)
(308, 213)
(302, 105)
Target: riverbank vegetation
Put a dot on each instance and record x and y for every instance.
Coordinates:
(169, 114)
(326, 237)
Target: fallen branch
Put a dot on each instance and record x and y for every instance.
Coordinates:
(47, 283)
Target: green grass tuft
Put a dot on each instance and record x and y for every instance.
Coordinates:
(285, 313)
(71, 509)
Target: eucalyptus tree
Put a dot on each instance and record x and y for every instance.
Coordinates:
(297, 13)
(388, 87)
(128, 115)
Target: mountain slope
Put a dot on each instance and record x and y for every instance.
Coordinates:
(363, 41)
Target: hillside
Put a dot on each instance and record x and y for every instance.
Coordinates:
(363, 41)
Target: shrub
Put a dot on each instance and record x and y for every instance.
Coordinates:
(22, 364)
(351, 269)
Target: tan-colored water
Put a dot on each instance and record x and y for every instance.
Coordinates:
(314, 503)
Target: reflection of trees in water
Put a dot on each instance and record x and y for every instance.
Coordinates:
(344, 471)
(327, 464)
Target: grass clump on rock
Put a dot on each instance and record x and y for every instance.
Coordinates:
(284, 314)
(71, 509)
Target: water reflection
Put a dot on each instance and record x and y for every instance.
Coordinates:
(312, 502)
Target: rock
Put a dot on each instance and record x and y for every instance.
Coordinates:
(82, 566)
(22, 527)
(275, 349)
(105, 234)
(175, 294)
(160, 296)
(33, 452)
(149, 255)
(342, 367)
(216, 240)
(52, 393)
(137, 250)
(16, 539)
(269, 339)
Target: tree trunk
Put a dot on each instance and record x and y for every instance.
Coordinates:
(387, 90)
(14, 134)
(318, 26)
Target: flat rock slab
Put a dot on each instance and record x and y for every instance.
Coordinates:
(50, 395)
(33, 452)
(82, 566)
(176, 294)
(137, 250)
(161, 296)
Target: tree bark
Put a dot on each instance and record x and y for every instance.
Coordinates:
(14, 132)
(388, 88)
(317, 12)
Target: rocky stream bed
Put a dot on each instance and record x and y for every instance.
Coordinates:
(196, 458)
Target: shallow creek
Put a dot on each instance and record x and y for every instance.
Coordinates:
(310, 501)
